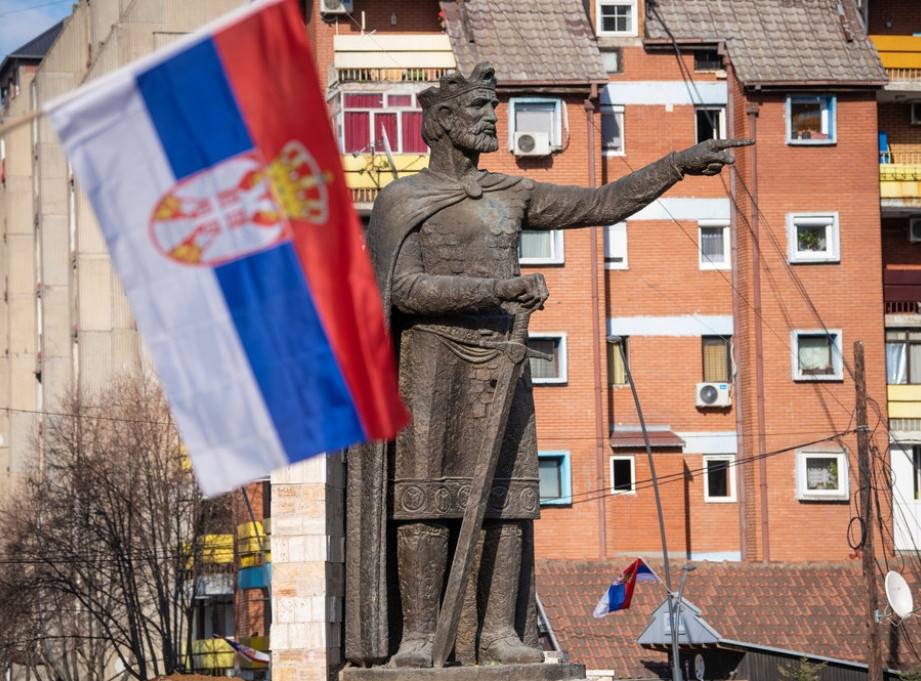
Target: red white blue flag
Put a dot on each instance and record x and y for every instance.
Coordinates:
(620, 593)
(246, 652)
(217, 184)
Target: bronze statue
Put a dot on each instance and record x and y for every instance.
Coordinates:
(444, 244)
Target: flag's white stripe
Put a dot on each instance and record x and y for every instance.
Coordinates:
(180, 309)
(148, 61)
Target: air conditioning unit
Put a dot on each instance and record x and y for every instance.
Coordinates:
(532, 144)
(335, 6)
(713, 395)
(916, 113)
(914, 229)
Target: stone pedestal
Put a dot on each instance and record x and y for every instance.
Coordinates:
(499, 672)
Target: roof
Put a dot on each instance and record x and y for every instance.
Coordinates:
(35, 48)
(748, 603)
(532, 41)
(775, 42)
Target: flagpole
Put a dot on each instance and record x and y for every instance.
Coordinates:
(672, 606)
(20, 121)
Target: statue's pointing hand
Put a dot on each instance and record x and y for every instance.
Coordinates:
(529, 291)
(708, 157)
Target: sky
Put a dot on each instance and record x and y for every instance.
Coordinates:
(22, 20)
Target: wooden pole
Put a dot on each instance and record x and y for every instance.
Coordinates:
(868, 551)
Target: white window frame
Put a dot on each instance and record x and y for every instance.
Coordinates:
(634, 19)
(730, 461)
(556, 130)
(615, 247)
(565, 460)
(842, 493)
(561, 377)
(632, 460)
(836, 355)
(616, 110)
(703, 261)
(828, 114)
(717, 110)
(829, 221)
(557, 254)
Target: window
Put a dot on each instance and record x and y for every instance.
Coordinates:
(615, 246)
(612, 129)
(822, 474)
(552, 370)
(716, 359)
(711, 123)
(623, 475)
(714, 244)
(555, 477)
(617, 373)
(617, 17)
(817, 355)
(811, 119)
(719, 478)
(812, 237)
(528, 114)
(903, 356)
(612, 59)
(916, 472)
(707, 60)
(540, 247)
(370, 117)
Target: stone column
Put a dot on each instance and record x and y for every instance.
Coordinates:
(308, 569)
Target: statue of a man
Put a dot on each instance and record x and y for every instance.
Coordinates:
(444, 243)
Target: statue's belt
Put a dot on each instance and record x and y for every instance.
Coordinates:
(481, 344)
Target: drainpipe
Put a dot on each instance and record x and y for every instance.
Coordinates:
(597, 335)
(752, 109)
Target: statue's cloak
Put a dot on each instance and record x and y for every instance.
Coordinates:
(370, 569)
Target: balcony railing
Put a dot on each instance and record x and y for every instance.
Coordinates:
(904, 75)
(388, 75)
(900, 166)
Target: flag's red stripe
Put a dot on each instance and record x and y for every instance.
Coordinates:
(270, 67)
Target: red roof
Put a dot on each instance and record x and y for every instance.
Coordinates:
(812, 608)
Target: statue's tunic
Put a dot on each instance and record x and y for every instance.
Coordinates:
(451, 352)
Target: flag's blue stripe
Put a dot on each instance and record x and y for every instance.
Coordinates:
(303, 388)
(194, 110)
(616, 595)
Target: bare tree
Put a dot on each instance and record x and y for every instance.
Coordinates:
(111, 531)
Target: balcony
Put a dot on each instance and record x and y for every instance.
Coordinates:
(900, 178)
(378, 58)
(901, 291)
(367, 174)
(901, 57)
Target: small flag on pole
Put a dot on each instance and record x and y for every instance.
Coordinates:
(217, 184)
(246, 652)
(620, 593)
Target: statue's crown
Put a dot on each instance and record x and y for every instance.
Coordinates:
(454, 84)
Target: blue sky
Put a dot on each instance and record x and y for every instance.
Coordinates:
(22, 20)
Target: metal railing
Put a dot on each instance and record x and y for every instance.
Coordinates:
(900, 166)
(903, 75)
(388, 75)
(903, 306)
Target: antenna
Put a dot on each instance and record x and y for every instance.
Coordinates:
(899, 595)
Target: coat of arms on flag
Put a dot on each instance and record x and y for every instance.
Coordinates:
(216, 180)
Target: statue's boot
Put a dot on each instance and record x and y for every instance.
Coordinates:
(500, 570)
(422, 554)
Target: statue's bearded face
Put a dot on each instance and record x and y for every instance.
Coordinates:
(474, 127)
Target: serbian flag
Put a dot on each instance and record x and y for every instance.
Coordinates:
(250, 654)
(620, 593)
(216, 181)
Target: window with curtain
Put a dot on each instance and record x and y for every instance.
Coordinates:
(617, 373)
(903, 356)
(713, 237)
(811, 119)
(817, 355)
(822, 474)
(552, 370)
(540, 247)
(615, 246)
(612, 128)
(370, 117)
(716, 359)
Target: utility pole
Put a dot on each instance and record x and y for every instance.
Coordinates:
(874, 654)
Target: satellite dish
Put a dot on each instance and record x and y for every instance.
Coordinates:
(899, 595)
(699, 667)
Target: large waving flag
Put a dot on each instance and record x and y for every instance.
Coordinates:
(246, 652)
(216, 181)
(620, 593)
